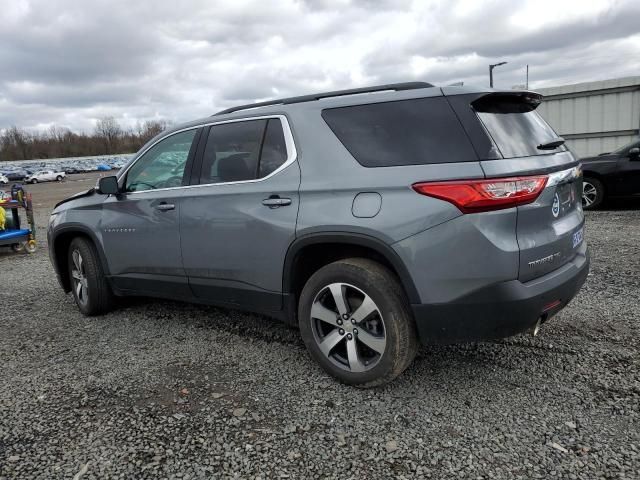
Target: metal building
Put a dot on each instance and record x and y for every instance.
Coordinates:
(594, 117)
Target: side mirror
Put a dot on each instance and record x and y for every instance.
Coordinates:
(108, 185)
(634, 153)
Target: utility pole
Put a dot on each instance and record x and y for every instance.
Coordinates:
(527, 83)
(491, 67)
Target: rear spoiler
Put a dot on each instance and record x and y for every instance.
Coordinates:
(507, 102)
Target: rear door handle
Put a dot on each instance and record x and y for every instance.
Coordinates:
(275, 202)
(165, 207)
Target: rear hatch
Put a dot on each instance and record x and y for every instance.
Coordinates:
(550, 229)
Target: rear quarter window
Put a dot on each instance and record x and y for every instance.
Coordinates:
(405, 132)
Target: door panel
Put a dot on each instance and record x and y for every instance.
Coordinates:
(233, 246)
(142, 242)
(629, 176)
(141, 226)
(235, 231)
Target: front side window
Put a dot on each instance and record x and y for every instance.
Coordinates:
(240, 151)
(163, 165)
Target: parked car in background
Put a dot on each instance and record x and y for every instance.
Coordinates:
(3, 180)
(45, 176)
(614, 174)
(15, 175)
(418, 214)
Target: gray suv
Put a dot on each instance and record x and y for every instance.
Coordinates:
(374, 219)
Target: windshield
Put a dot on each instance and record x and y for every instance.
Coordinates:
(625, 149)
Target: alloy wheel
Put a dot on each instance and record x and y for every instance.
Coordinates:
(79, 275)
(589, 194)
(348, 327)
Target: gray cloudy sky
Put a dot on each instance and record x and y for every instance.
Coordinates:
(67, 62)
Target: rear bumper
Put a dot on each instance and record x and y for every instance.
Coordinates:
(503, 309)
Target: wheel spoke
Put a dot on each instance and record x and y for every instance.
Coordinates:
(355, 364)
(321, 312)
(79, 290)
(76, 262)
(330, 341)
(364, 310)
(376, 344)
(337, 291)
(589, 194)
(80, 267)
(356, 340)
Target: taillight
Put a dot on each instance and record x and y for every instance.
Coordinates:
(472, 196)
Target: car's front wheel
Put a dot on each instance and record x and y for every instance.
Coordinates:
(88, 283)
(592, 193)
(59, 178)
(355, 321)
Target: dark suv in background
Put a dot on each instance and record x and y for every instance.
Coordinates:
(614, 174)
(371, 218)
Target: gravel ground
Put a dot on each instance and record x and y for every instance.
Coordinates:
(167, 390)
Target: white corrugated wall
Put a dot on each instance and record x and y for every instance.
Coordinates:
(594, 117)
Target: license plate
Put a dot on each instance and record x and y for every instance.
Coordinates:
(577, 237)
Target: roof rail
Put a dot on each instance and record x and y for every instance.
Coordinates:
(337, 93)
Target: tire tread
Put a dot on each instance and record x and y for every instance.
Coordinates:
(373, 273)
(101, 299)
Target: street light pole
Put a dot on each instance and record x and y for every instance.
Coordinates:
(491, 67)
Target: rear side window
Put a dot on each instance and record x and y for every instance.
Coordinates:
(514, 125)
(406, 132)
(240, 151)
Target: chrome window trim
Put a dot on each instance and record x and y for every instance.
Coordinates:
(292, 153)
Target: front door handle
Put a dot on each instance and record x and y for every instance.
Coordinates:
(165, 207)
(275, 201)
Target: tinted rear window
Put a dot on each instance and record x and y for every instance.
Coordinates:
(516, 128)
(406, 132)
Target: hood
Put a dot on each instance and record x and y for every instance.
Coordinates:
(85, 193)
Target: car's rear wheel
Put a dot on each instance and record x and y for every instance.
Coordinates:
(88, 283)
(355, 321)
(592, 193)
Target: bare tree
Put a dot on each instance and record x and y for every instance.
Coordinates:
(150, 129)
(16, 143)
(59, 142)
(108, 129)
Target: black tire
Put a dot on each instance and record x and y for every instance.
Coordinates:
(595, 191)
(383, 288)
(99, 297)
(59, 178)
(34, 181)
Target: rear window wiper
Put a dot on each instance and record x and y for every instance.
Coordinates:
(555, 143)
